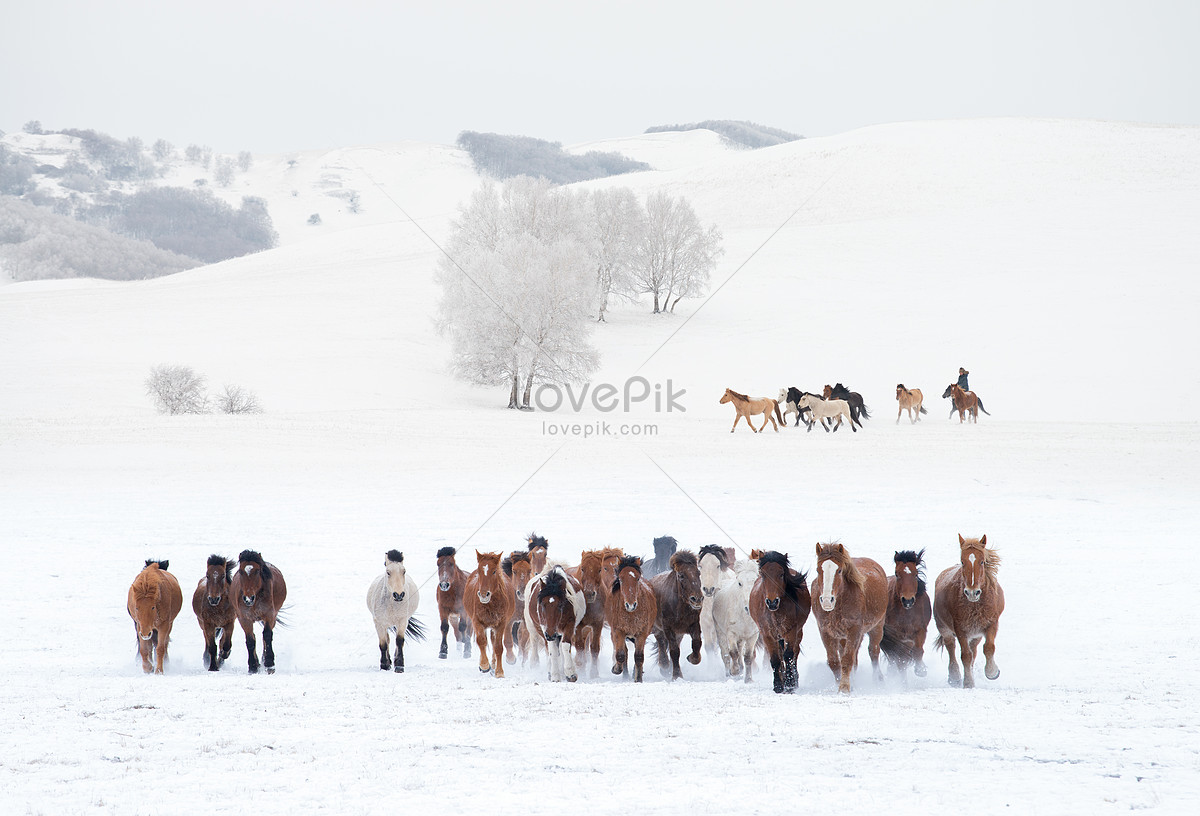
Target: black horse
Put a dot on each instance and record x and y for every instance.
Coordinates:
(853, 399)
(664, 548)
(791, 397)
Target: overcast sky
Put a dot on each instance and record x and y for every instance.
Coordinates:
(270, 76)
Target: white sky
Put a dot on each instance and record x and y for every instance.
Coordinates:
(270, 76)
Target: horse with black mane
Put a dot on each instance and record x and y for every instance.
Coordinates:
(678, 595)
(858, 410)
(790, 397)
(259, 591)
(964, 403)
(909, 611)
(452, 584)
(213, 605)
(664, 548)
(779, 603)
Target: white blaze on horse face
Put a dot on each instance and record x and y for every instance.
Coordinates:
(828, 571)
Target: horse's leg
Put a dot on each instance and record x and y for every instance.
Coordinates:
(775, 652)
(990, 670)
(226, 642)
(597, 631)
(509, 654)
(851, 424)
(639, 657)
(791, 675)
(873, 639)
(269, 644)
(210, 648)
(482, 644)
(465, 634)
(832, 660)
(251, 646)
(848, 657)
(160, 650)
(736, 417)
(968, 658)
(900, 411)
(663, 652)
(381, 631)
(444, 649)
(619, 653)
(697, 637)
(498, 633)
(569, 667)
(400, 647)
(919, 653)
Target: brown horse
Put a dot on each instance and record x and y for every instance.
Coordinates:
(631, 609)
(258, 591)
(452, 583)
(519, 569)
(849, 600)
(910, 400)
(779, 604)
(154, 601)
(553, 609)
(537, 552)
(589, 574)
(489, 601)
(908, 613)
(965, 403)
(679, 598)
(213, 604)
(967, 602)
(610, 559)
(747, 407)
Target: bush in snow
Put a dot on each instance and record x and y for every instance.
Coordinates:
(177, 389)
(237, 400)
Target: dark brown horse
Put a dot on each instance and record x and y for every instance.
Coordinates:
(258, 591)
(908, 613)
(779, 605)
(965, 403)
(664, 548)
(552, 612)
(213, 604)
(631, 609)
(967, 602)
(680, 600)
(489, 601)
(154, 601)
(591, 627)
(849, 600)
(519, 569)
(452, 583)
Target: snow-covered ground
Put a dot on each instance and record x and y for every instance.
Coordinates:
(1054, 259)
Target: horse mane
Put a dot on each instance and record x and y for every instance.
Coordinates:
(252, 557)
(634, 561)
(685, 558)
(553, 584)
(395, 556)
(161, 563)
(446, 551)
(793, 580)
(917, 558)
(719, 552)
(536, 540)
(742, 397)
(217, 560)
(845, 563)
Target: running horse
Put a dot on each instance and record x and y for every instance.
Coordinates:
(967, 602)
(908, 614)
(392, 599)
(518, 566)
(747, 407)
(553, 608)
(779, 604)
(858, 409)
(910, 400)
(631, 610)
(537, 552)
(588, 631)
(849, 600)
(679, 599)
(154, 601)
(212, 602)
(258, 591)
(965, 402)
(489, 601)
(452, 583)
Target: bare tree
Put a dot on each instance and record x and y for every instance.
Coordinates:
(237, 400)
(676, 254)
(618, 222)
(177, 389)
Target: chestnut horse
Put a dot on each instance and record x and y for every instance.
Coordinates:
(908, 613)
(631, 609)
(489, 601)
(154, 601)
(553, 609)
(212, 602)
(258, 591)
(910, 400)
(393, 599)
(537, 552)
(679, 599)
(967, 602)
(452, 582)
(588, 631)
(965, 403)
(779, 604)
(748, 408)
(849, 600)
(519, 569)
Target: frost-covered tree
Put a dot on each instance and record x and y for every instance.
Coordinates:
(177, 389)
(618, 221)
(675, 254)
(223, 171)
(517, 288)
(162, 150)
(237, 400)
(245, 161)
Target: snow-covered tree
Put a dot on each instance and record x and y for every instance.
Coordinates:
(618, 221)
(517, 286)
(675, 254)
(177, 389)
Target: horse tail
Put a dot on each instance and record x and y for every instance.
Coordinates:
(778, 415)
(896, 651)
(922, 407)
(415, 629)
(863, 410)
(979, 402)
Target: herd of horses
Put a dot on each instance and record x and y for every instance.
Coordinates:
(526, 603)
(837, 402)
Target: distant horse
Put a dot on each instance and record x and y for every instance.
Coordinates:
(964, 402)
(631, 610)
(737, 633)
(664, 548)
(212, 602)
(910, 400)
(967, 602)
(790, 397)
(908, 613)
(452, 584)
(849, 600)
(258, 591)
(489, 600)
(747, 407)
(154, 601)
(779, 605)
(678, 596)
(858, 410)
(588, 631)
(393, 599)
(537, 552)
(715, 567)
(823, 409)
(518, 566)
(554, 606)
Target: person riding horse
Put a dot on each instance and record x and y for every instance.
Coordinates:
(962, 383)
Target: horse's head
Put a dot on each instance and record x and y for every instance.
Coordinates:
(553, 606)
(686, 570)
(664, 547)
(727, 397)
(978, 566)
(900, 390)
(252, 574)
(910, 576)
(713, 561)
(832, 564)
(397, 576)
(591, 566)
(949, 390)
(447, 568)
(827, 392)
(610, 559)
(744, 578)
(783, 393)
(489, 572)
(217, 578)
(518, 566)
(537, 552)
(772, 577)
(628, 581)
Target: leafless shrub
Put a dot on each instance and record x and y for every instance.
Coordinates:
(177, 389)
(237, 400)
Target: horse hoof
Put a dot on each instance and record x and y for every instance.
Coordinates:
(694, 659)
(271, 670)
(778, 688)
(572, 678)
(399, 670)
(484, 669)
(919, 670)
(992, 676)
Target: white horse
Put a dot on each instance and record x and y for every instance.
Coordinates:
(737, 633)
(714, 571)
(560, 645)
(823, 409)
(392, 599)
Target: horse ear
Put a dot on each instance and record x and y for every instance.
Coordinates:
(982, 541)
(162, 565)
(818, 550)
(961, 541)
